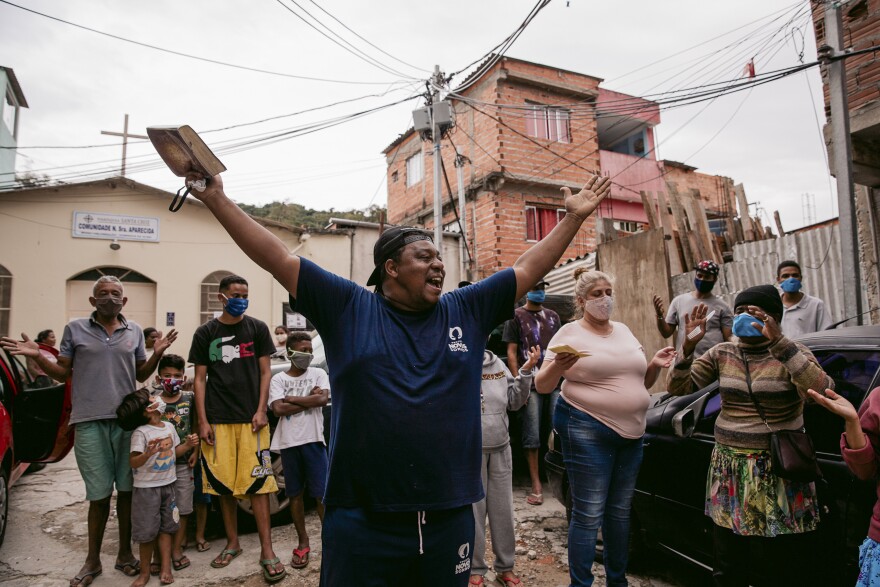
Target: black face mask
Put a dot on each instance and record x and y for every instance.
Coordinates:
(108, 306)
(703, 286)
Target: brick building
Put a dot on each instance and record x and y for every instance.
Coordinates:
(526, 130)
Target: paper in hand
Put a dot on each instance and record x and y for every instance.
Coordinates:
(564, 348)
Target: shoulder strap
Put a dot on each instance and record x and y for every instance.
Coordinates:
(752, 395)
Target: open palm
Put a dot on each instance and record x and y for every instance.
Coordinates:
(585, 202)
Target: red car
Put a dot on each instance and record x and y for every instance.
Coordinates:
(34, 426)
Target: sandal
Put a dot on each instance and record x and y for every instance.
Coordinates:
(269, 563)
(508, 581)
(80, 580)
(479, 581)
(535, 498)
(129, 569)
(180, 563)
(303, 555)
(221, 561)
(203, 546)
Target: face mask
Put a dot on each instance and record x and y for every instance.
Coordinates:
(157, 406)
(281, 338)
(600, 308)
(300, 360)
(171, 385)
(703, 286)
(108, 306)
(791, 285)
(537, 296)
(742, 325)
(235, 307)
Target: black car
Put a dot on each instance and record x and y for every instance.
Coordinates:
(668, 506)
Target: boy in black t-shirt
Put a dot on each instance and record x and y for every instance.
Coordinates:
(231, 356)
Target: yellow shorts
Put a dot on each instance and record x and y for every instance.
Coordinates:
(239, 463)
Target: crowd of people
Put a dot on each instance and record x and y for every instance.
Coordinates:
(419, 458)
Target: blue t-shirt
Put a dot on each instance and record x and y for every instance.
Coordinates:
(405, 425)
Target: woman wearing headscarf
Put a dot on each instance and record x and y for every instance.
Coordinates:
(752, 508)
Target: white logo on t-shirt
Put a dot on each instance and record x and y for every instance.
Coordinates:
(455, 335)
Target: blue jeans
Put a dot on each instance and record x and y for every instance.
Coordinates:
(602, 469)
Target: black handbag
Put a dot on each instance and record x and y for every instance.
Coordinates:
(791, 451)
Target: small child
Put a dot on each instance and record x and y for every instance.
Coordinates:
(179, 411)
(154, 446)
(296, 397)
(499, 392)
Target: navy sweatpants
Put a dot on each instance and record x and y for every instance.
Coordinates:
(386, 549)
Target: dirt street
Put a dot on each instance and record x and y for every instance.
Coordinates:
(46, 543)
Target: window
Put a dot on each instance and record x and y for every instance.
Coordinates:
(852, 372)
(627, 226)
(10, 112)
(540, 221)
(544, 122)
(5, 300)
(209, 305)
(415, 169)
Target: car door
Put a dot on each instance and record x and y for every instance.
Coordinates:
(40, 415)
(846, 502)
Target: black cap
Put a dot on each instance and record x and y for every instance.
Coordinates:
(465, 283)
(764, 296)
(541, 282)
(391, 240)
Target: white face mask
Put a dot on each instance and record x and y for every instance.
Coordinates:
(600, 308)
(281, 338)
(158, 405)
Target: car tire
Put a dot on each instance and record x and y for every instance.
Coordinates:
(279, 504)
(4, 502)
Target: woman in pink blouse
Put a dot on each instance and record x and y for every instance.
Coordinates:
(600, 421)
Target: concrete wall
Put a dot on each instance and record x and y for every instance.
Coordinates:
(38, 249)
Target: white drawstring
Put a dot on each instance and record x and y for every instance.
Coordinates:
(420, 519)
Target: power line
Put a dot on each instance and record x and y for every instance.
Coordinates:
(189, 56)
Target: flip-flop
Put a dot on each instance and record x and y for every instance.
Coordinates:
(535, 498)
(508, 581)
(81, 578)
(233, 554)
(129, 569)
(180, 563)
(203, 546)
(479, 582)
(303, 554)
(266, 563)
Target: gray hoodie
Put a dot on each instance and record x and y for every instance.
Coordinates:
(500, 392)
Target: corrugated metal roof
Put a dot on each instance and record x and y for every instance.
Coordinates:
(561, 279)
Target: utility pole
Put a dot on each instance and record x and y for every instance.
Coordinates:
(842, 156)
(125, 136)
(436, 136)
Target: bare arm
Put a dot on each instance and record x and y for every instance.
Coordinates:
(205, 432)
(146, 368)
(27, 348)
(291, 405)
(543, 255)
(551, 371)
(260, 419)
(512, 358)
(666, 329)
(263, 248)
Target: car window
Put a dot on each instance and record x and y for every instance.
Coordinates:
(853, 372)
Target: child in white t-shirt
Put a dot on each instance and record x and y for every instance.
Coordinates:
(155, 447)
(297, 397)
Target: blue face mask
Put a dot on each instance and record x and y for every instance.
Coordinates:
(235, 307)
(791, 285)
(537, 296)
(742, 325)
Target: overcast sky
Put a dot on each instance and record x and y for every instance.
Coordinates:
(78, 83)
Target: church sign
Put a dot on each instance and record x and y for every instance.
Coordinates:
(115, 227)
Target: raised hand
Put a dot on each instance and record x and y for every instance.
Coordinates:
(834, 403)
(163, 343)
(771, 329)
(658, 307)
(664, 357)
(695, 324)
(153, 447)
(24, 347)
(585, 202)
(534, 357)
(214, 186)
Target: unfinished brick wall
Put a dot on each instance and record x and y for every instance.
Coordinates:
(711, 186)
